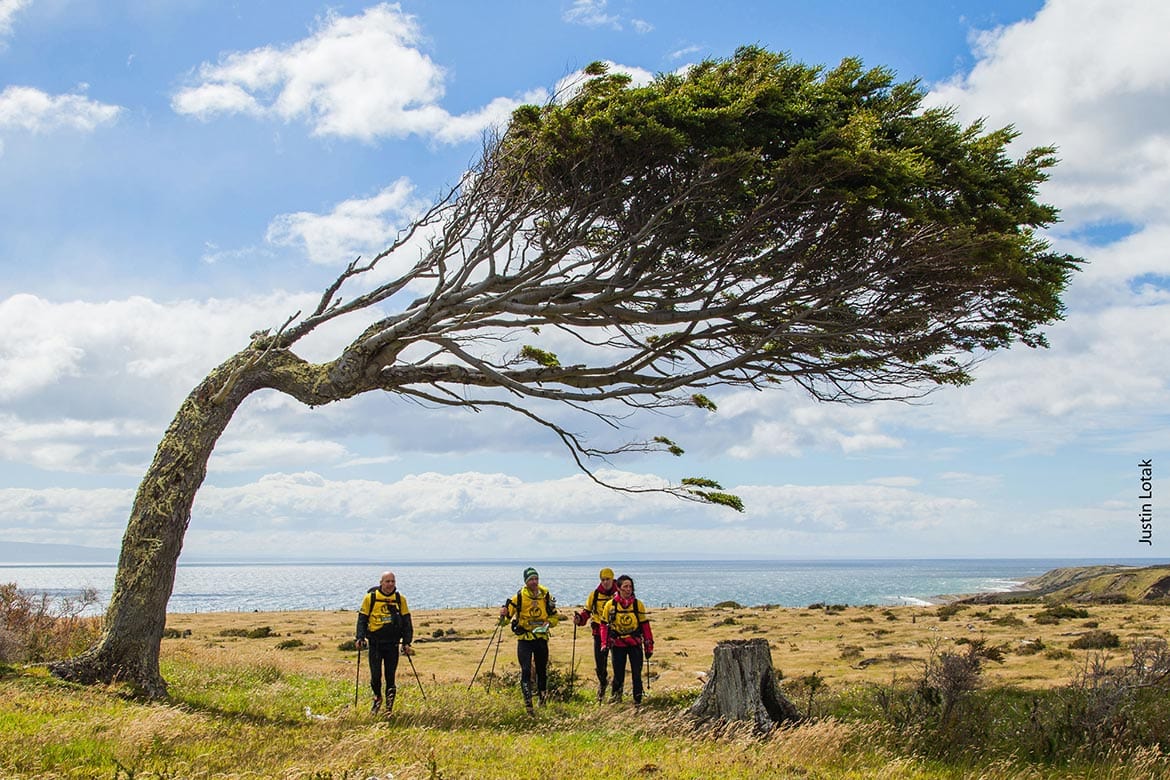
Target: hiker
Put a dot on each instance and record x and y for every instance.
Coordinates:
(384, 622)
(626, 632)
(596, 605)
(533, 611)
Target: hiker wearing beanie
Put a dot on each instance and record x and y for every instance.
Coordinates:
(596, 606)
(626, 632)
(533, 611)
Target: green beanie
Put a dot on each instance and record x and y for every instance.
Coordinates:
(529, 573)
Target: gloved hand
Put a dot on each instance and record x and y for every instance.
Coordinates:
(581, 618)
(360, 643)
(649, 649)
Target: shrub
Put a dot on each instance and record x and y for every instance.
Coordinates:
(1057, 612)
(1095, 640)
(1030, 646)
(947, 611)
(289, 644)
(34, 628)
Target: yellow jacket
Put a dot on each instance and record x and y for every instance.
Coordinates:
(532, 615)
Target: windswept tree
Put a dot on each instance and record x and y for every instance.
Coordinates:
(754, 222)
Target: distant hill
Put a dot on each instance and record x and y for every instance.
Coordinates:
(28, 552)
(1091, 584)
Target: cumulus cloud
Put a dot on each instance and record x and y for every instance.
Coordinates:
(468, 514)
(90, 386)
(359, 226)
(361, 77)
(31, 109)
(481, 515)
(8, 11)
(1092, 78)
(93, 517)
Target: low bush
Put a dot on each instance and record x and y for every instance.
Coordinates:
(35, 628)
(1055, 613)
(1095, 640)
(948, 611)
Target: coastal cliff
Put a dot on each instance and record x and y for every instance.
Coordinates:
(1090, 584)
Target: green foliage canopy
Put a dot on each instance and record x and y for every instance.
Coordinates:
(853, 237)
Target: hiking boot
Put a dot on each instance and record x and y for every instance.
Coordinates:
(601, 691)
(376, 706)
(391, 695)
(543, 696)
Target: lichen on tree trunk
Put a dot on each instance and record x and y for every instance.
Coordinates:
(742, 686)
(128, 649)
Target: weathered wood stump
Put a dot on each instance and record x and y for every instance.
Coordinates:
(742, 686)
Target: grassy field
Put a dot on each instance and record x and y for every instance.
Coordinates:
(281, 703)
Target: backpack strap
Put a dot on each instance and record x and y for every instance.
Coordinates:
(374, 599)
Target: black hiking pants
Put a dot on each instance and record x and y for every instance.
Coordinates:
(527, 651)
(383, 655)
(600, 659)
(621, 655)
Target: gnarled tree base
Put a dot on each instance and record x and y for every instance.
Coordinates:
(98, 665)
(742, 686)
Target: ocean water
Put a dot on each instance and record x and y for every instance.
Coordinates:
(230, 587)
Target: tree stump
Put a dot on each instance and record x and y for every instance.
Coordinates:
(742, 686)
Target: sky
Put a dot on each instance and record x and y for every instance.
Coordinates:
(177, 174)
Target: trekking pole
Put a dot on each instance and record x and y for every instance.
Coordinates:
(495, 655)
(357, 678)
(647, 674)
(573, 660)
(416, 677)
(485, 652)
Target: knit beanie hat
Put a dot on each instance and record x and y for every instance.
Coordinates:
(606, 573)
(529, 573)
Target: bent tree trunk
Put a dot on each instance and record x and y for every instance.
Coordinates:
(128, 649)
(742, 686)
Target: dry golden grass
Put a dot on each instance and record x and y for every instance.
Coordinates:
(239, 703)
(852, 645)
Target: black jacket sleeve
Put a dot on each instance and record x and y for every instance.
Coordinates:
(407, 629)
(363, 625)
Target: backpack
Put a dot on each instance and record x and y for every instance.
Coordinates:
(549, 608)
(395, 620)
(623, 621)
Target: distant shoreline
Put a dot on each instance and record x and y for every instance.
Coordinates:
(202, 588)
